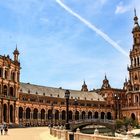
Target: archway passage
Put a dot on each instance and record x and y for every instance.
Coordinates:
(35, 113)
(109, 116)
(5, 113)
(102, 115)
(20, 114)
(133, 116)
(11, 114)
(83, 115)
(96, 115)
(89, 115)
(70, 115)
(63, 115)
(42, 114)
(50, 115)
(76, 115)
(56, 115)
(28, 110)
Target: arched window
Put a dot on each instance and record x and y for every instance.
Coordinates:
(133, 116)
(11, 91)
(0, 72)
(13, 76)
(136, 99)
(6, 74)
(5, 90)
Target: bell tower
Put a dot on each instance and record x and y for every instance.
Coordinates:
(134, 69)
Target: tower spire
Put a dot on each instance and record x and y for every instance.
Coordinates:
(16, 54)
(135, 17)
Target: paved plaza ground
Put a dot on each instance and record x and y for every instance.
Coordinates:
(34, 133)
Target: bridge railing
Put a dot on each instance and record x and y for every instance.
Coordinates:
(92, 120)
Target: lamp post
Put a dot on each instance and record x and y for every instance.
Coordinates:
(117, 106)
(67, 95)
(51, 115)
(75, 103)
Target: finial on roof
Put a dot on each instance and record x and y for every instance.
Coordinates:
(135, 16)
(105, 76)
(135, 13)
(125, 79)
(16, 53)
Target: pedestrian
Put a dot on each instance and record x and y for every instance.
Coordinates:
(6, 129)
(1, 129)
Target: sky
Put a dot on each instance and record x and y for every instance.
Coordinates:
(64, 42)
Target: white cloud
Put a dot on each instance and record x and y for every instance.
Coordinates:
(121, 8)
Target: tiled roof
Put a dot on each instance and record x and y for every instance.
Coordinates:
(54, 92)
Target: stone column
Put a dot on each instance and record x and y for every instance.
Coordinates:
(73, 115)
(60, 117)
(53, 115)
(1, 111)
(16, 115)
(8, 112)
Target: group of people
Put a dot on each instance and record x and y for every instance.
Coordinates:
(4, 129)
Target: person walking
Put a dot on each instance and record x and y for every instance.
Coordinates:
(6, 129)
(1, 129)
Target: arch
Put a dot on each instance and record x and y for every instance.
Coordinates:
(50, 115)
(42, 114)
(83, 115)
(0, 72)
(20, 113)
(5, 90)
(56, 115)
(11, 91)
(109, 116)
(5, 113)
(28, 111)
(102, 115)
(70, 115)
(13, 76)
(133, 116)
(64, 115)
(35, 113)
(6, 74)
(96, 115)
(11, 113)
(77, 115)
(136, 99)
(89, 115)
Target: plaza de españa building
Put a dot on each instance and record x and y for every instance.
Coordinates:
(27, 104)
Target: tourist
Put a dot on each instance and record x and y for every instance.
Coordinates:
(6, 130)
(1, 127)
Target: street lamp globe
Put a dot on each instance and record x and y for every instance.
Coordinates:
(67, 94)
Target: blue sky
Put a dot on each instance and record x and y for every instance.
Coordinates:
(59, 50)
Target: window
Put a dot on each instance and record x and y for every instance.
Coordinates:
(11, 91)
(5, 90)
(62, 103)
(12, 76)
(6, 74)
(0, 72)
